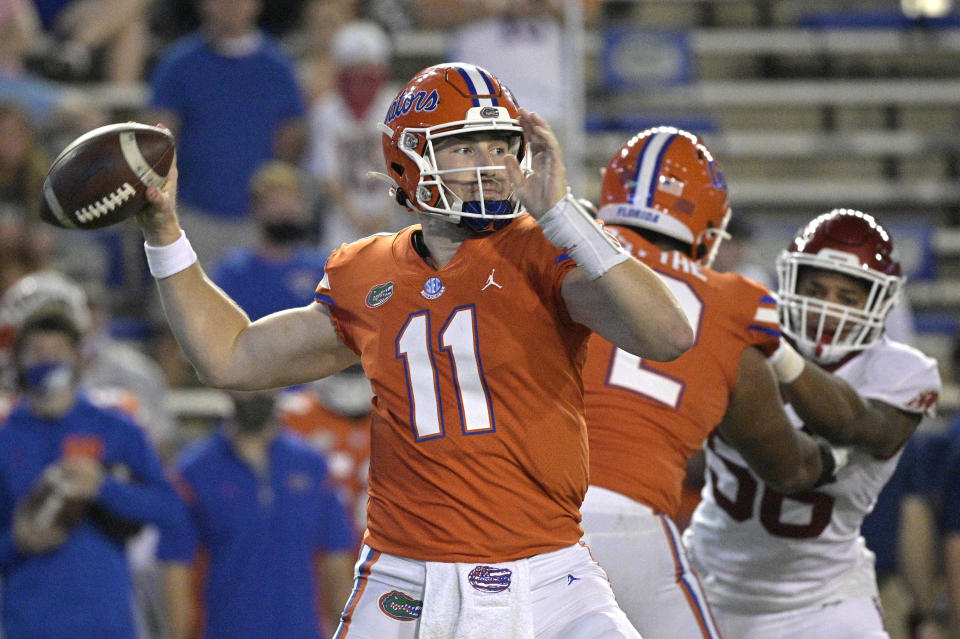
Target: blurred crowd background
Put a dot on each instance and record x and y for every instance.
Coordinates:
(808, 105)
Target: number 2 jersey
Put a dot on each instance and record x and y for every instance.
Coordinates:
(478, 441)
(758, 550)
(646, 419)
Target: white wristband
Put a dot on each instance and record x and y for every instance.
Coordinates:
(787, 363)
(168, 260)
(568, 226)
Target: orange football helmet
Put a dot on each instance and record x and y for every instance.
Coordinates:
(441, 101)
(666, 180)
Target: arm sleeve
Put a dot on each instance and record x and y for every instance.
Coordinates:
(148, 497)
(166, 86)
(8, 550)
(180, 543)
(336, 533)
(289, 95)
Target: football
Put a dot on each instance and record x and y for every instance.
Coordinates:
(101, 178)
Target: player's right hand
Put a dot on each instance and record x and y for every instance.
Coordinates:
(158, 221)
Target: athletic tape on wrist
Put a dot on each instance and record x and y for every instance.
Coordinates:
(787, 363)
(168, 260)
(568, 226)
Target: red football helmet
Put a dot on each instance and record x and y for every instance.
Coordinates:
(851, 243)
(666, 180)
(441, 101)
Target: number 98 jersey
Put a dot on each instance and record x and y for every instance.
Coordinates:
(758, 550)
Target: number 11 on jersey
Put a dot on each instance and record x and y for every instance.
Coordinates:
(458, 339)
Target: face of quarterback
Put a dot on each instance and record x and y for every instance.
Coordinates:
(830, 287)
(463, 154)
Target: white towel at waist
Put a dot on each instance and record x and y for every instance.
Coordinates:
(477, 601)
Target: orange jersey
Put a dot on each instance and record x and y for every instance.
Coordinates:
(478, 445)
(646, 419)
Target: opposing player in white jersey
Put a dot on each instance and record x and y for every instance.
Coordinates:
(794, 567)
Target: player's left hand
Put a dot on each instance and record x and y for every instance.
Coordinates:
(544, 187)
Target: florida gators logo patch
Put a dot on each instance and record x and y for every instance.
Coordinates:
(490, 578)
(400, 606)
(379, 295)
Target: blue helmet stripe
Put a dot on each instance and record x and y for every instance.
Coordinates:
(470, 86)
(648, 168)
(486, 79)
(474, 77)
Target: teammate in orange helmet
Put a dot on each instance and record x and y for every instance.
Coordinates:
(665, 198)
(472, 328)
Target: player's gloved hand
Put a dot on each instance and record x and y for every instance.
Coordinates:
(787, 364)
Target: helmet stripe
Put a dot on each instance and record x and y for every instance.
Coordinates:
(648, 167)
(474, 77)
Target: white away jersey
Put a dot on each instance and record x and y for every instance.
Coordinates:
(758, 550)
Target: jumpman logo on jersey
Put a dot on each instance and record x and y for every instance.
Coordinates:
(571, 579)
(490, 280)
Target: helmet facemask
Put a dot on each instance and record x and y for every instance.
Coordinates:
(710, 240)
(434, 196)
(828, 331)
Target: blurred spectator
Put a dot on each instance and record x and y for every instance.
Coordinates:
(950, 510)
(263, 507)
(346, 142)
(313, 48)
(25, 244)
(333, 415)
(19, 33)
(19, 28)
(902, 534)
(282, 269)
(116, 366)
(60, 581)
(23, 163)
(24, 248)
(87, 31)
(951, 530)
(174, 18)
(115, 375)
(497, 34)
(229, 93)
